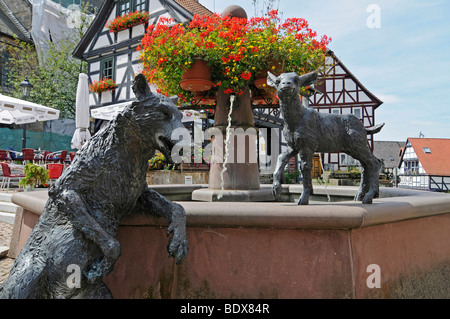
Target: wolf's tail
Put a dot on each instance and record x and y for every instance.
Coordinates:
(374, 129)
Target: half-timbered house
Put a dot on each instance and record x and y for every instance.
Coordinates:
(114, 55)
(425, 164)
(340, 93)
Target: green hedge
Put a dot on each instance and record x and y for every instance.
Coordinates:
(44, 140)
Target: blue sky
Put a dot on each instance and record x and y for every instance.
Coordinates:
(405, 61)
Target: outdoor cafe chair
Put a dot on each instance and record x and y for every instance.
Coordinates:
(7, 176)
(56, 157)
(4, 156)
(54, 171)
(71, 157)
(27, 154)
(15, 155)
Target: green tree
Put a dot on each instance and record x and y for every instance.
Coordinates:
(54, 75)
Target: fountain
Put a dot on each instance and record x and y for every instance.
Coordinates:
(398, 247)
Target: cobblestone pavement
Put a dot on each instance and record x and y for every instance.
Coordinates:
(5, 262)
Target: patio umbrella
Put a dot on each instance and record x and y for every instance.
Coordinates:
(82, 133)
(17, 111)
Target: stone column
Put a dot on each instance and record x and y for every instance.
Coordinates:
(242, 165)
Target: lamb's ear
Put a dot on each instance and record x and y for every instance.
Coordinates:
(271, 78)
(141, 88)
(308, 78)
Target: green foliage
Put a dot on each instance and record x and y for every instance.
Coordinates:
(291, 178)
(54, 76)
(35, 175)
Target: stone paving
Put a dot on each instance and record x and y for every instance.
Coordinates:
(5, 262)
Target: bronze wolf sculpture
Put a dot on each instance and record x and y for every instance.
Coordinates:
(104, 184)
(307, 131)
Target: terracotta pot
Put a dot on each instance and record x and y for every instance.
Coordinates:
(264, 97)
(201, 99)
(198, 77)
(261, 77)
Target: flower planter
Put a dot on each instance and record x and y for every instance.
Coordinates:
(198, 77)
(102, 85)
(194, 167)
(127, 21)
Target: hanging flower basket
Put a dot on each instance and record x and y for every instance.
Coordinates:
(236, 50)
(103, 85)
(126, 21)
(197, 78)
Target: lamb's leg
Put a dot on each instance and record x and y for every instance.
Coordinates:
(153, 203)
(306, 168)
(282, 161)
(369, 187)
(71, 204)
(364, 184)
(374, 190)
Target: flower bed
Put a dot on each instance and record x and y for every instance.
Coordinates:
(102, 85)
(127, 21)
(236, 49)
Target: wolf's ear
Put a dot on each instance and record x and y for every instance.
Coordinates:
(174, 99)
(141, 88)
(271, 78)
(307, 79)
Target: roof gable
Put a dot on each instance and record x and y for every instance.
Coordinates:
(340, 87)
(178, 9)
(436, 160)
(15, 19)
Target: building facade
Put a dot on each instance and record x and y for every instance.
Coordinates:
(425, 164)
(114, 55)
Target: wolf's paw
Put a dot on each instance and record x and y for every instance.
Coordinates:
(178, 246)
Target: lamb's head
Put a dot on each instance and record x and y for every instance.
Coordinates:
(288, 84)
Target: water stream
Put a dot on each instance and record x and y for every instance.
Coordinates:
(227, 142)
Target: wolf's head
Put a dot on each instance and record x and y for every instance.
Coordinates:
(154, 117)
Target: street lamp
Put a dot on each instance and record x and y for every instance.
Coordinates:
(26, 87)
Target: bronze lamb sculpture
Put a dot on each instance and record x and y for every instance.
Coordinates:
(307, 131)
(104, 184)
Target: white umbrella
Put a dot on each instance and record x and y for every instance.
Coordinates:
(82, 133)
(17, 111)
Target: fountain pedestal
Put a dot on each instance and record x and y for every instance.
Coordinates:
(240, 180)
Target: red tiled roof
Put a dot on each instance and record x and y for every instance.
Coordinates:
(194, 7)
(437, 162)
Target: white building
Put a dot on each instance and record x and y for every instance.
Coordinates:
(425, 164)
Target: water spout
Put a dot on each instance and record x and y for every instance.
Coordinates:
(227, 142)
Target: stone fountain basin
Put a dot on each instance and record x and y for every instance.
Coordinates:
(279, 249)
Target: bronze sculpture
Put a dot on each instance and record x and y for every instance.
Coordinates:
(104, 184)
(307, 131)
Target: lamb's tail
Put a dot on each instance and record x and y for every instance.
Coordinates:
(374, 129)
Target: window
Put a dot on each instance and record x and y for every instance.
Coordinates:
(411, 167)
(127, 6)
(124, 7)
(107, 68)
(139, 5)
(426, 150)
